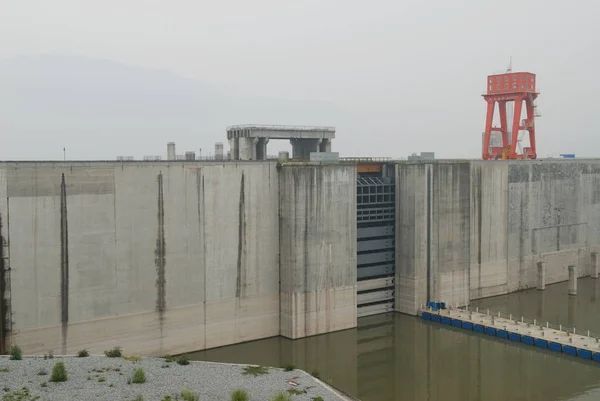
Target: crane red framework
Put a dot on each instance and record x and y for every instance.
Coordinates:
(519, 88)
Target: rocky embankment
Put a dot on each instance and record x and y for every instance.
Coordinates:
(153, 379)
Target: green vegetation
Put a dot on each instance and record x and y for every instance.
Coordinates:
(15, 353)
(19, 395)
(282, 397)
(169, 358)
(317, 399)
(315, 373)
(101, 380)
(83, 353)
(49, 355)
(42, 372)
(59, 373)
(4, 370)
(189, 396)
(288, 367)
(255, 370)
(133, 358)
(239, 395)
(113, 353)
(139, 376)
(294, 391)
(89, 377)
(139, 398)
(183, 360)
(44, 384)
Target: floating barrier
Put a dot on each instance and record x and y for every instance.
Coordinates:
(560, 339)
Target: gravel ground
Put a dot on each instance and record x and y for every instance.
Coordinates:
(212, 381)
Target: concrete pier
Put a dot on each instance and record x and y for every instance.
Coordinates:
(572, 280)
(594, 261)
(541, 276)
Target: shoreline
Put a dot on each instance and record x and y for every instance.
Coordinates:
(103, 378)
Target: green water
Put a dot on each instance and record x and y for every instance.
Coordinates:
(399, 357)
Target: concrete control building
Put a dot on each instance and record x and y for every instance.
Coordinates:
(164, 257)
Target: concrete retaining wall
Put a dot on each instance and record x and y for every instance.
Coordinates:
(318, 249)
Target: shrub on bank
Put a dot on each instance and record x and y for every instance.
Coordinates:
(15, 353)
(83, 353)
(282, 397)
(183, 360)
(289, 367)
(239, 395)
(59, 373)
(113, 353)
(189, 396)
(139, 376)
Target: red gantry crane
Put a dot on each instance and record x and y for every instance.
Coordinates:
(514, 88)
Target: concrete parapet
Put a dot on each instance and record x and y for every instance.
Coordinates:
(317, 261)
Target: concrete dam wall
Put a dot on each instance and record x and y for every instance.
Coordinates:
(165, 258)
(169, 257)
(469, 230)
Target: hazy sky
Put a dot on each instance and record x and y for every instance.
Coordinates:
(411, 71)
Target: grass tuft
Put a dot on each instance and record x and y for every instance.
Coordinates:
(255, 370)
(183, 360)
(113, 353)
(289, 367)
(139, 376)
(189, 396)
(133, 358)
(42, 372)
(315, 373)
(59, 373)
(239, 395)
(83, 353)
(317, 398)
(15, 353)
(139, 398)
(282, 397)
(101, 380)
(4, 370)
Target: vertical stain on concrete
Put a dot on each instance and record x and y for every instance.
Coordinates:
(202, 233)
(159, 253)
(429, 229)
(64, 264)
(479, 198)
(308, 190)
(241, 276)
(3, 325)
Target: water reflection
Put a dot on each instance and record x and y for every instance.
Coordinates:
(398, 357)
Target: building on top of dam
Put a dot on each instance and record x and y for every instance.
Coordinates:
(171, 256)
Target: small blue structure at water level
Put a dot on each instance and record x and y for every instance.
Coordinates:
(434, 316)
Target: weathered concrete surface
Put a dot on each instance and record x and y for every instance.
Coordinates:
(554, 216)
(318, 249)
(469, 230)
(162, 258)
(432, 234)
(412, 227)
(450, 233)
(489, 225)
